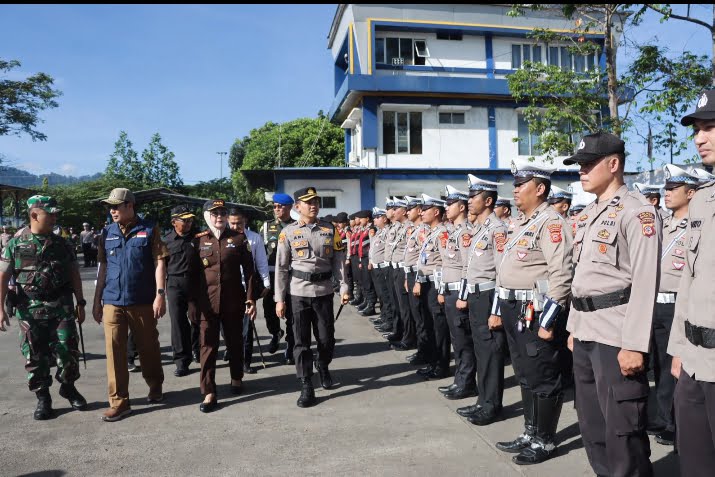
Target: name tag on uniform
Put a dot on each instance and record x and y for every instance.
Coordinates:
(423, 257)
(230, 245)
(111, 238)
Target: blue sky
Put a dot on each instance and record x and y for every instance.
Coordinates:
(200, 75)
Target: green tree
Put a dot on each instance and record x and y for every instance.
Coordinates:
(304, 142)
(562, 104)
(21, 102)
(159, 169)
(213, 189)
(124, 163)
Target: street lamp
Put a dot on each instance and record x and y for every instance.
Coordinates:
(221, 154)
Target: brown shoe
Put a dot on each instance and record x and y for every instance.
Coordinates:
(155, 395)
(116, 413)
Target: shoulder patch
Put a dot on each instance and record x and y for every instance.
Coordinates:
(555, 233)
(466, 240)
(201, 234)
(500, 241)
(647, 220)
(443, 237)
(282, 237)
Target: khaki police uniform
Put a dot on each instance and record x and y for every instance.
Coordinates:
(617, 269)
(416, 235)
(380, 268)
(309, 255)
(406, 326)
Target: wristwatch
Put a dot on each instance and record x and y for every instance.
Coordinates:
(82, 302)
(161, 291)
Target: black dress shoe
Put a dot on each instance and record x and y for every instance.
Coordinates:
(226, 356)
(467, 411)
(393, 337)
(667, 438)
(418, 361)
(399, 346)
(44, 405)
(424, 372)
(197, 357)
(482, 417)
(181, 372)
(653, 430)
(412, 356)
(445, 389)
(367, 311)
(438, 373)
(208, 406)
(236, 390)
(517, 445)
(77, 401)
(249, 370)
(289, 360)
(386, 328)
(273, 345)
(460, 393)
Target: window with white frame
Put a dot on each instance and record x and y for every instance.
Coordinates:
(328, 202)
(559, 56)
(528, 142)
(401, 132)
(451, 118)
(400, 51)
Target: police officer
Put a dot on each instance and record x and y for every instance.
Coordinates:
(86, 237)
(46, 275)
(5, 238)
(130, 296)
(692, 337)
(617, 270)
(282, 205)
(364, 245)
(652, 194)
(502, 209)
(403, 332)
(680, 187)
(415, 236)
(359, 299)
(574, 213)
(378, 266)
(181, 265)
(436, 331)
(341, 223)
(560, 199)
(220, 299)
(533, 287)
(310, 253)
(476, 294)
(454, 253)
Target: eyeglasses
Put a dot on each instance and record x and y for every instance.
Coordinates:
(219, 213)
(117, 206)
(279, 206)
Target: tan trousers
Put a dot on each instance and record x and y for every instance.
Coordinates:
(118, 320)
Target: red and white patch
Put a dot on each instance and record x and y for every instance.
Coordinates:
(141, 235)
(521, 255)
(678, 252)
(466, 240)
(678, 265)
(555, 233)
(648, 230)
(444, 236)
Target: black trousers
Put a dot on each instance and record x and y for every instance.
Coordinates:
(312, 314)
(695, 435)
(383, 287)
(368, 288)
(355, 269)
(612, 412)
(461, 334)
(407, 322)
(537, 362)
(273, 323)
(184, 334)
(489, 350)
(664, 381)
(423, 322)
(87, 253)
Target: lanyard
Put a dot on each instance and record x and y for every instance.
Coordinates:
(672, 244)
(539, 218)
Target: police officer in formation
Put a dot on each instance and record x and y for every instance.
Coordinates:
(282, 205)
(310, 254)
(46, 275)
(180, 267)
(560, 199)
(692, 336)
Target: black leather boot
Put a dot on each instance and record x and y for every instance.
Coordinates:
(543, 447)
(69, 392)
(524, 440)
(357, 300)
(326, 381)
(307, 393)
(369, 310)
(44, 405)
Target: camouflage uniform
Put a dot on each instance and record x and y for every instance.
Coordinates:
(40, 265)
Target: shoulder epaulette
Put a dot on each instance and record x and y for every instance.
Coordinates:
(201, 234)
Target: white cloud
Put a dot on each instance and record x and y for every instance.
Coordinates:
(68, 169)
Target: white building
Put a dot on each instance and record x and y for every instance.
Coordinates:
(422, 95)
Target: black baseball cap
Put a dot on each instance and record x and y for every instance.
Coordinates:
(705, 109)
(182, 212)
(342, 218)
(595, 146)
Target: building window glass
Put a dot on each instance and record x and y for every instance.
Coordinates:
(528, 143)
(451, 118)
(328, 202)
(400, 51)
(449, 35)
(401, 132)
(523, 53)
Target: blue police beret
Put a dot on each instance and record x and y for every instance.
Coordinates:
(283, 199)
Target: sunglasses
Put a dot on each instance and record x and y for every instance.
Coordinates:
(220, 213)
(279, 206)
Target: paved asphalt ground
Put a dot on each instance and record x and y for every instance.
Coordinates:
(379, 419)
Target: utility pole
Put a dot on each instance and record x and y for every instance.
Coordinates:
(221, 155)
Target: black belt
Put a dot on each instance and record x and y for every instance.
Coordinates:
(700, 335)
(180, 275)
(609, 300)
(312, 277)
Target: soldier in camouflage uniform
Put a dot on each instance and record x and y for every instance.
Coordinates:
(45, 269)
